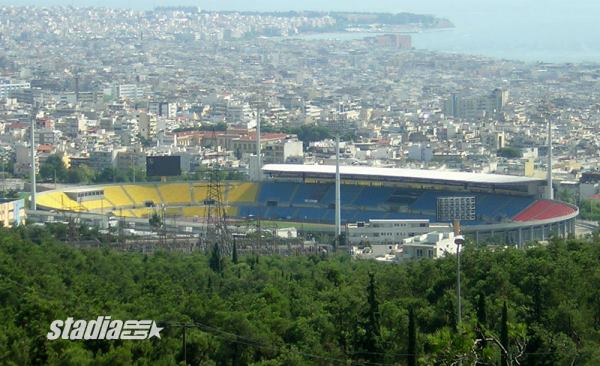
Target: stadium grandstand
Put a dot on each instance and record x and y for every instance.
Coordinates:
(509, 208)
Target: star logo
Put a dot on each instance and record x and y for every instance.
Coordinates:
(154, 331)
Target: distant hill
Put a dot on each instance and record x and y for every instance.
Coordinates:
(344, 19)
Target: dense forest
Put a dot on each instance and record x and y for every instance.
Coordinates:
(539, 306)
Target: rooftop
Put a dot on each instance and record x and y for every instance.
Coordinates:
(395, 173)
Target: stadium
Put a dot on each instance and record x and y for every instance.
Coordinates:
(507, 208)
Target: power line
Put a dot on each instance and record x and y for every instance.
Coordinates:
(253, 343)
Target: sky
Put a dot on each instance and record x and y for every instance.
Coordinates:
(423, 6)
(442, 8)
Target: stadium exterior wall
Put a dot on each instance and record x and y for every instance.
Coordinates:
(519, 233)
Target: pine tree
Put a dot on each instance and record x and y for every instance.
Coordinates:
(372, 322)
(504, 336)
(481, 311)
(234, 254)
(481, 323)
(216, 262)
(412, 338)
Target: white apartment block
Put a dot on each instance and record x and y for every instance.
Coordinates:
(6, 87)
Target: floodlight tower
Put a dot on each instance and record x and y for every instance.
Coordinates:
(337, 127)
(258, 145)
(258, 104)
(549, 190)
(338, 210)
(33, 164)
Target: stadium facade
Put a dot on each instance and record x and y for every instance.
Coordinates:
(505, 208)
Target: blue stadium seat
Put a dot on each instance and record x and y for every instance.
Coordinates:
(282, 213)
(311, 193)
(373, 196)
(348, 194)
(310, 214)
(280, 192)
(247, 211)
(420, 204)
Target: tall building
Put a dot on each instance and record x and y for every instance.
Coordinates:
(476, 107)
(163, 109)
(22, 165)
(103, 158)
(398, 41)
(130, 158)
(129, 91)
(147, 125)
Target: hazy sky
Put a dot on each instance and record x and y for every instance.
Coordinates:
(440, 7)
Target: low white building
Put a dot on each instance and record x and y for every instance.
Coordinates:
(286, 233)
(389, 231)
(430, 245)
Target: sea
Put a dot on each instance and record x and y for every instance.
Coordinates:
(520, 36)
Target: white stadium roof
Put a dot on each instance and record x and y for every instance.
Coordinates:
(396, 173)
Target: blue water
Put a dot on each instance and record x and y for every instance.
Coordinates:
(527, 30)
(521, 36)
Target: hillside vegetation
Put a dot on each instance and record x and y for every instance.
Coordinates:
(537, 307)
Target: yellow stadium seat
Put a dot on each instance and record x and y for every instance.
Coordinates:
(117, 196)
(172, 212)
(193, 211)
(138, 212)
(49, 200)
(97, 205)
(66, 203)
(200, 211)
(232, 211)
(175, 193)
(200, 192)
(242, 192)
(142, 194)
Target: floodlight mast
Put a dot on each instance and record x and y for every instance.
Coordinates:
(549, 190)
(338, 209)
(337, 126)
(258, 143)
(33, 163)
(458, 240)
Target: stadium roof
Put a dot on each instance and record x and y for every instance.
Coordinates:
(399, 174)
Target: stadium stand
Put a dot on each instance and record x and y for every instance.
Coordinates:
(254, 211)
(310, 193)
(200, 211)
(60, 201)
(175, 193)
(279, 192)
(348, 194)
(102, 205)
(426, 201)
(369, 193)
(373, 196)
(117, 196)
(508, 206)
(140, 194)
(542, 210)
(281, 213)
(310, 214)
(199, 192)
(243, 192)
